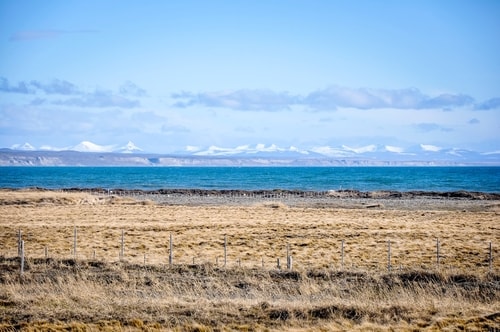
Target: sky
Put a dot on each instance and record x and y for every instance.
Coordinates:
(176, 76)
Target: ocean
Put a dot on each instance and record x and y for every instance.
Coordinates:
(483, 179)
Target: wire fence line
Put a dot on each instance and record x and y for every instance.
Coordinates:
(436, 260)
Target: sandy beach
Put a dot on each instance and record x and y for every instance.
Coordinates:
(331, 232)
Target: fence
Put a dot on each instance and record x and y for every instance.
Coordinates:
(289, 265)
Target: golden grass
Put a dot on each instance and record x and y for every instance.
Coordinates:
(104, 294)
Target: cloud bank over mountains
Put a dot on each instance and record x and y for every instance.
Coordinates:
(330, 99)
(68, 94)
(325, 121)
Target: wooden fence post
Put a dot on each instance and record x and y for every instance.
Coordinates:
(122, 245)
(22, 257)
(171, 253)
(46, 252)
(19, 239)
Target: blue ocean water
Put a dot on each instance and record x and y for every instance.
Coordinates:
(485, 179)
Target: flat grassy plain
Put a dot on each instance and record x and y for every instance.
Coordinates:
(97, 291)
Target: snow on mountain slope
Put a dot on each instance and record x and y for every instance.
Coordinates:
(86, 146)
(23, 147)
(258, 149)
(130, 147)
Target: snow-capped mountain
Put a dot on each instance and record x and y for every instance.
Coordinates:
(87, 146)
(370, 153)
(130, 147)
(89, 153)
(258, 150)
(23, 147)
(84, 146)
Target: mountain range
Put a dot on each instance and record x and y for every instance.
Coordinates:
(87, 153)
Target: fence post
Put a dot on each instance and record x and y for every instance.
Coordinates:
(19, 239)
(171, 253)
(46, 252)
(22, 257)
(278, 264)
(122, 245)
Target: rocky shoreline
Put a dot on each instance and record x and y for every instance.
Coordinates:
(410, 200)
(382, 194)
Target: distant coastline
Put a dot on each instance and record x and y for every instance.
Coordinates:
(10, 157)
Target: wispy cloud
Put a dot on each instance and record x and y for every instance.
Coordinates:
(327, 99)
(99, 99)
(31, 35)
(131, 89)
(362, 98)
(429, 127)
(336, 96)
(60, 87)
(73, 95)
(244, 100)
(447, 100)
(489, 104)
(53, 87)
(21, 87)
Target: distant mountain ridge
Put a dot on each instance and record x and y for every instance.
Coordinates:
(84, 146)
(87, 153)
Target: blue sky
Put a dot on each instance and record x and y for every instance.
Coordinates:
(311, 74)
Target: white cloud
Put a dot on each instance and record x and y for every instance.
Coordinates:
(330, 98)
(131, 89)
(246, 99)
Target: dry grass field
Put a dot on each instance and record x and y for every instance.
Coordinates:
(142, 292)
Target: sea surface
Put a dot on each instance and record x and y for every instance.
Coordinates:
(484, 179)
